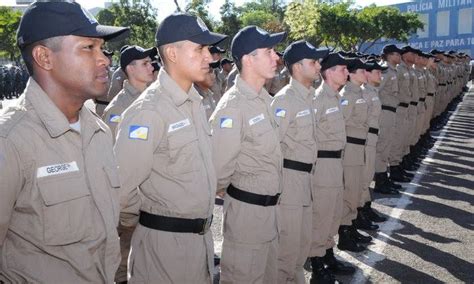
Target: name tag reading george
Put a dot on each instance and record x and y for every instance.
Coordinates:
(57, 169)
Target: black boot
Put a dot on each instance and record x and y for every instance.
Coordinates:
(382, 186)
(408, 163)
(362, 222)
(358, 237)
(217, 260)
(336, 266)
(347, 242)
(406, 174)
(320, 273)
(394, 185)
(397, 175)
(371, 214)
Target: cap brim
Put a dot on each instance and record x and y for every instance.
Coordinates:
(108, 33)
(273, 40)
(208, 38)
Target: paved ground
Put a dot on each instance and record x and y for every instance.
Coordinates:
(429, 237)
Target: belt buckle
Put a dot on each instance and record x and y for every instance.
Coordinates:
(206, 226)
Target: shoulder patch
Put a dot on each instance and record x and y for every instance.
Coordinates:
(226, 122)
(9, 119)
(344, 102)
(138, 132)
(115, 118)
(280, 112)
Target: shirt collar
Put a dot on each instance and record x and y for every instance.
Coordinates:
(300, 89)
(174, 91)
(130, 89)
(248, 91)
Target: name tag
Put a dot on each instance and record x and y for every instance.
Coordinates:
(178, 125)
(394, 78)
(374, 99)
(303, 113)
(57, 169)
(360, 101)
(331, 110)
(256, 119)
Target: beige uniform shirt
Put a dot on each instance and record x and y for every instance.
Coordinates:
(420, 74)
(355, 110)
(216, 88)
(414, 86)
(330, 128)
(231, 78)
(403, 75)
(247, 154)
(370, 94)
(163, 148)
(59, 203)
(112, 113)
(293, 111)
(116, 83)
(208, 101)
(280, 80)
(388, 89)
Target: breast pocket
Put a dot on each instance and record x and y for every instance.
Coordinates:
(67, 209)
(334, 123)
(183, 151)
(263, 136)
(304, 127)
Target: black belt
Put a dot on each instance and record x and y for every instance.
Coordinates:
(403, 104)
(253, 198)
(330, 154)
(354, 140)
(389, 108)
(414, 103)
(430, 94)
(298, 166)
(101, 102)
(422, 99)
(441, 84)
(174, 224)
(374, 130)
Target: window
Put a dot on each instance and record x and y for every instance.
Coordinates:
(465, 21)
(442, 23)
(425, 19)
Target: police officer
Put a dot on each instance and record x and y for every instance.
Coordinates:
(217, 53)
(226, 68)
(59, 190)
(389, 97)
(136, 63)
(204, 89)
(327, 180)
(355, 110)
(292, 108)
(373, 73)
(402, 127)
(248, 160)
(163, 148)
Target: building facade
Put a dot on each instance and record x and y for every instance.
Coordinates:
(449, 25)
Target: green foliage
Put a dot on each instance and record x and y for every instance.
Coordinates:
(139, 15)
(200, 9)
(343, 27)
(230, 23)
(9, 21)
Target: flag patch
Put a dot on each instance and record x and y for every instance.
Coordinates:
(138, 132)
(115, 118)
(279, 112)
(344, 102)
(226, 122)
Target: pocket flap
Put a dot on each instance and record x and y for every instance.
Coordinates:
(112, 175)
(60, 190)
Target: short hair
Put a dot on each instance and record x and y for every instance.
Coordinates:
(161, 50)
(53, 43)
(323, 73)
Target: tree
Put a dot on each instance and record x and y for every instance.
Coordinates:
(9, 22)
(139, 15)
(200, 9)
(343, 27)
(230, 23)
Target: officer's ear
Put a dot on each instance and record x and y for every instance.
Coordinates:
(42, 57)
(170, 52)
